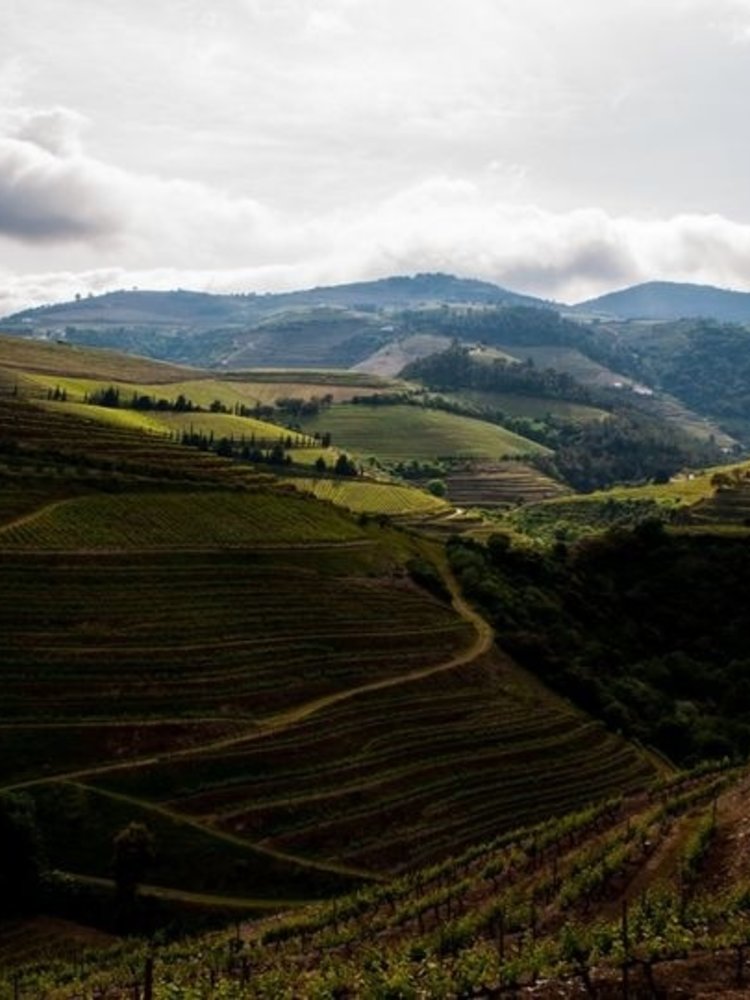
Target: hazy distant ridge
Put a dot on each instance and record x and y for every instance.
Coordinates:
(666, 300)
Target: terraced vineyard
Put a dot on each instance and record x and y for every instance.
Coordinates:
(241, 635)
(689, 499)
(179, 521)
(19, 355)
(261, 432)
(516, 405)
(370, 497)
(640, 895)
(65, 444)
(500, 484)
(400, 776)
(728, 505)
(294, 700)
(400, 433)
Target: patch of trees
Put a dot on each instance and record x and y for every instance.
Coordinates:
(248, 449)
(297, 407)
(384, 399)
(112, 397)
(643, 628)
(21, 855)
(524, 326)
(456, 369)
(628, 447)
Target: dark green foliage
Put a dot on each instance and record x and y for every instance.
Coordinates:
(456, 369)
(134, 851)
(344, 466)
(644, 628)
(704, 363)
(425, 575)
(21, 855)
(629, 447)
(522, 326)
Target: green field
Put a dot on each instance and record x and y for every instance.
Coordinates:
(529, 406)
(367, 497)
(218, 424)
(179, 521)
(203, 391)
(404, 432)
(20, 355)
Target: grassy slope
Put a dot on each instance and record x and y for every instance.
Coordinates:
(530, 406)
(218, 424)
(247, 390)
(69, 361)
(405, 432)
(364, 497)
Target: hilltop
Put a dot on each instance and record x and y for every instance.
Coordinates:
(669, 300)
(202, 310)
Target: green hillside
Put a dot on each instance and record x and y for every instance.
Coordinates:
(302, 707)
(404, 432)
(252, 673)
(367, 497)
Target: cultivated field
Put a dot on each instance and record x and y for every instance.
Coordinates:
(293, 701)
(367, 497)
(404, 432)
(529, 406)
(19, 355)
(179, 521)
(640, 895)
(499, 484)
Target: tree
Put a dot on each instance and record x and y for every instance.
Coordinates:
(344, 466)
(134, 852)
(320, 464)
(21, 855)
(436, 487)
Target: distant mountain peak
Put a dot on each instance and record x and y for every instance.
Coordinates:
(670, 300)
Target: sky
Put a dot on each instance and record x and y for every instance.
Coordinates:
(559, 149)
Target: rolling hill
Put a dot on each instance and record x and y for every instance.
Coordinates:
(201, 311)
(310, 717)
(667, 300)
(295, 700)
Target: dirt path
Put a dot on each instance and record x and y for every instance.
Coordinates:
(484, 637)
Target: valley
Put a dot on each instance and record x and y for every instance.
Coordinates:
(334, 640)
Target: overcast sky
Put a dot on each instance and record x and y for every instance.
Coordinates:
(558, 148)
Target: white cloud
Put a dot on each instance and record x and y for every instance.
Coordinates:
(442, 224)
(48, 197)
(562, 148)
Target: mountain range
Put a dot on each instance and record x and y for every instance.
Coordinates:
(198, 311)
